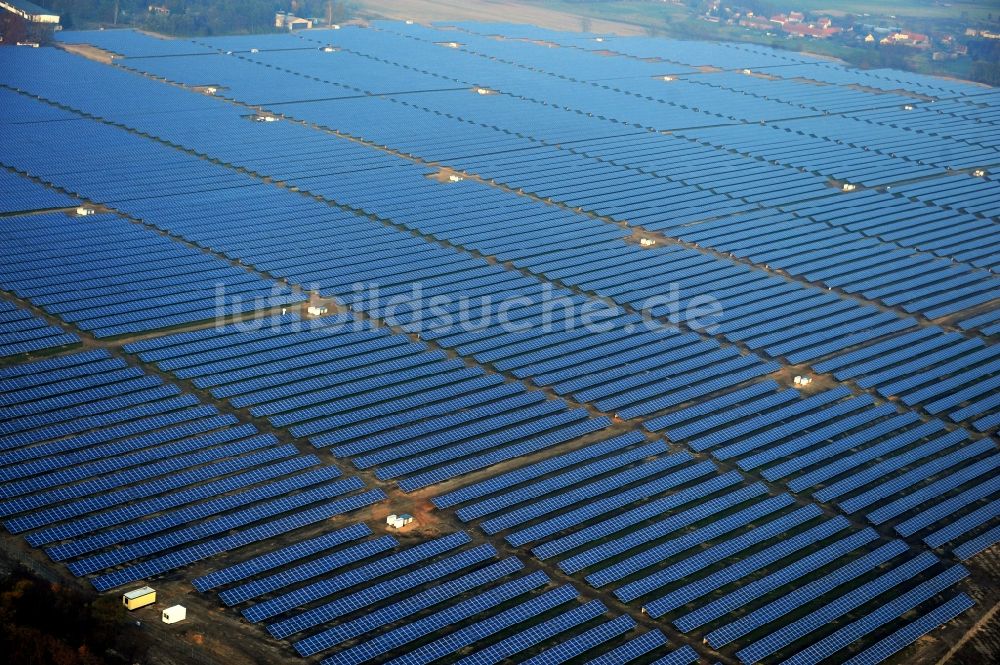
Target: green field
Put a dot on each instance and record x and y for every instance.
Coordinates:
(932, 9)
(642, 11)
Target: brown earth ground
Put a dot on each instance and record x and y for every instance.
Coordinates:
(428, 11)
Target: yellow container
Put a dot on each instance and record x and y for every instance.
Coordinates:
(137, 598)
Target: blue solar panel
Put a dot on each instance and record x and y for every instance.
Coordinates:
(658, 529)
(213, 526)
(789, 574)
(651, 509)
(837, 608)
(511, 478)
(964, 524)
(322, 588)
(974, 546)
(389, 588)
(142, 529)
(584, 642)
(888, 612)
(806, 593)
(140, 509)
(535, 634)
(911, 632)
(472, 633)
(746, 566)
(555, 483)
(760, 533)
(104, 462)
(662, 551)
(306, 571)
(449, 616)
(238, 539)
(406, 607)
(632, 650)
(617, 499)
(564, 499)
(279, 557)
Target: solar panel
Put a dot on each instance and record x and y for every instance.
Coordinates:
(279, 557)
(346, 604)
(661, 551)
(408, 606)
(804, 594)
(789, 574)
(845, 603)
(911, 632)
(398, 637)
(632, 650)
(322, 588)
(748, 565)
(472, 633)
(242, 538)
(306, 571)
(616, 500)
(535, 634)
(716, 553)
(584, 642)
(636, 515)
(888, 612)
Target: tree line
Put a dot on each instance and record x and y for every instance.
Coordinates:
(193, 17)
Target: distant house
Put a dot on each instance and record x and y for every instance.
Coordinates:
(914, 39)
(291, 22)
(159, 10)
(804, 30)
(756, 22)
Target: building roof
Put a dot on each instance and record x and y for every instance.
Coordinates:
(139, 593)
(29, 10)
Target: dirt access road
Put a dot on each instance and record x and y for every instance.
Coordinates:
(428, 11)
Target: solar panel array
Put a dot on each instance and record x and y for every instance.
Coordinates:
(18, 195)
(868, 459)
(124, 477)
(375, 397)
(373, 598)
(708, 552)
(60, 264)
(23, 332)
(464, 221)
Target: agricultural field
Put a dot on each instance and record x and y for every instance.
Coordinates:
(485, 342)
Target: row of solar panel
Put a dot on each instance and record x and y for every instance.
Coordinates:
(108, 468)
(908, 223)
(707, 551)
(23, 332)
(936, 370)
(369, 598)
(844, 449)
(855, 338)
(98, 290)
(849, 261)
(320, 376)
(852, 331)
(18, 194)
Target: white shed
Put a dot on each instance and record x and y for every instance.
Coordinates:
(174, 614)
